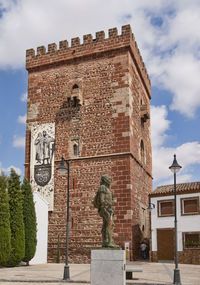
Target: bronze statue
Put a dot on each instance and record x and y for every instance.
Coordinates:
(104, 202)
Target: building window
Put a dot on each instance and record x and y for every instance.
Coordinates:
(191, 240)
(76, 98)
(142, 152)
(75, 149)
(190, 206)
(165, 208)
(75, 86)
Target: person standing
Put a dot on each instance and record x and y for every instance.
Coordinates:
(143, 248)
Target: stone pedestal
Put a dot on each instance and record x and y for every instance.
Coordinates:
(108, 267)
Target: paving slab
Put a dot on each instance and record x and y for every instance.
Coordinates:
(52, 274)
(162, 273)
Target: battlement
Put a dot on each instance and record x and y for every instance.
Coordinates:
(89, 46)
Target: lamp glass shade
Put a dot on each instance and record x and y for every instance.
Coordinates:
(174, 170)
(62, 170)
(151, 207)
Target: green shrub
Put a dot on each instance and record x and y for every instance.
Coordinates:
(29, 221)
(190, 243)
(5, 233)
(16, 220)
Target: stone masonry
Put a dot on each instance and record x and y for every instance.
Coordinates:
(98, 95)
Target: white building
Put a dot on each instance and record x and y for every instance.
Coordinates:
(188, 223)
(41, 208)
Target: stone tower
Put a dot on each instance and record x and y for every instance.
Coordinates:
(90, 104)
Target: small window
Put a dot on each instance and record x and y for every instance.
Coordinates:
(190, 206)
(75, 102)
(166, 208)
(191, 240)
(75, 86)
(69, 101)
(75, 148)
(142, 154)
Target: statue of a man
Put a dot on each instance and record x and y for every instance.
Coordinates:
(104, 202)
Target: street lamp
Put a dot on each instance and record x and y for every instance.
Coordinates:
(175, 167)
(151, 207)
(62, 170)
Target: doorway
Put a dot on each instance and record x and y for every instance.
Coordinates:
(165, 244)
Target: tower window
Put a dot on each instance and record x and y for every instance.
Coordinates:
(75, 102)
(76, 96)
(142, 156)
(75, 149)
(69, 101)
(75, 86)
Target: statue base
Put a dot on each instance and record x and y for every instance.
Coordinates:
(108, 266)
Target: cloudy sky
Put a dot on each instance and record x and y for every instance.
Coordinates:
(167, 33)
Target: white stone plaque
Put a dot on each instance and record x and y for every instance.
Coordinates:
(42, 161)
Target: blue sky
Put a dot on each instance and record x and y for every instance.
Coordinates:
(167, 33)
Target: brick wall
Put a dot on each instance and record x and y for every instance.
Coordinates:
(107, 127)
(187, 256)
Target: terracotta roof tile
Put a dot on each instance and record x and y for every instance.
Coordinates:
(181, 188)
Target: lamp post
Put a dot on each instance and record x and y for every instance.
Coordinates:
(175, 167)
(62, 170)
(149, 209)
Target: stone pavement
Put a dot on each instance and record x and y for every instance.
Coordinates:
(51, 274)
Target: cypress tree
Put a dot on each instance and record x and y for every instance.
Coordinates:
(5, 233)
(29, 221)
(16, 220)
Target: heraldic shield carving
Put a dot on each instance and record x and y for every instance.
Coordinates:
(42, 161)
(42, 174)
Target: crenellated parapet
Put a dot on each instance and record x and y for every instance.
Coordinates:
(54, 55)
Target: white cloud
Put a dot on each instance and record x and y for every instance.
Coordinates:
(167, 33)
(159, 125)
(22, 119)
(18, 141)
(17, 170)
(188, 154)
(163, 158)
(181, 178)
(23, 97)
(5, 4)
(179, 74)
(172, 54)
(7, 170)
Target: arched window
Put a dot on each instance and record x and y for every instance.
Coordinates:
(75, 101)
(75, 95)
(75, 86)
(75, 149)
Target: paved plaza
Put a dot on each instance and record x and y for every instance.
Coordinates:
(153, 273)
